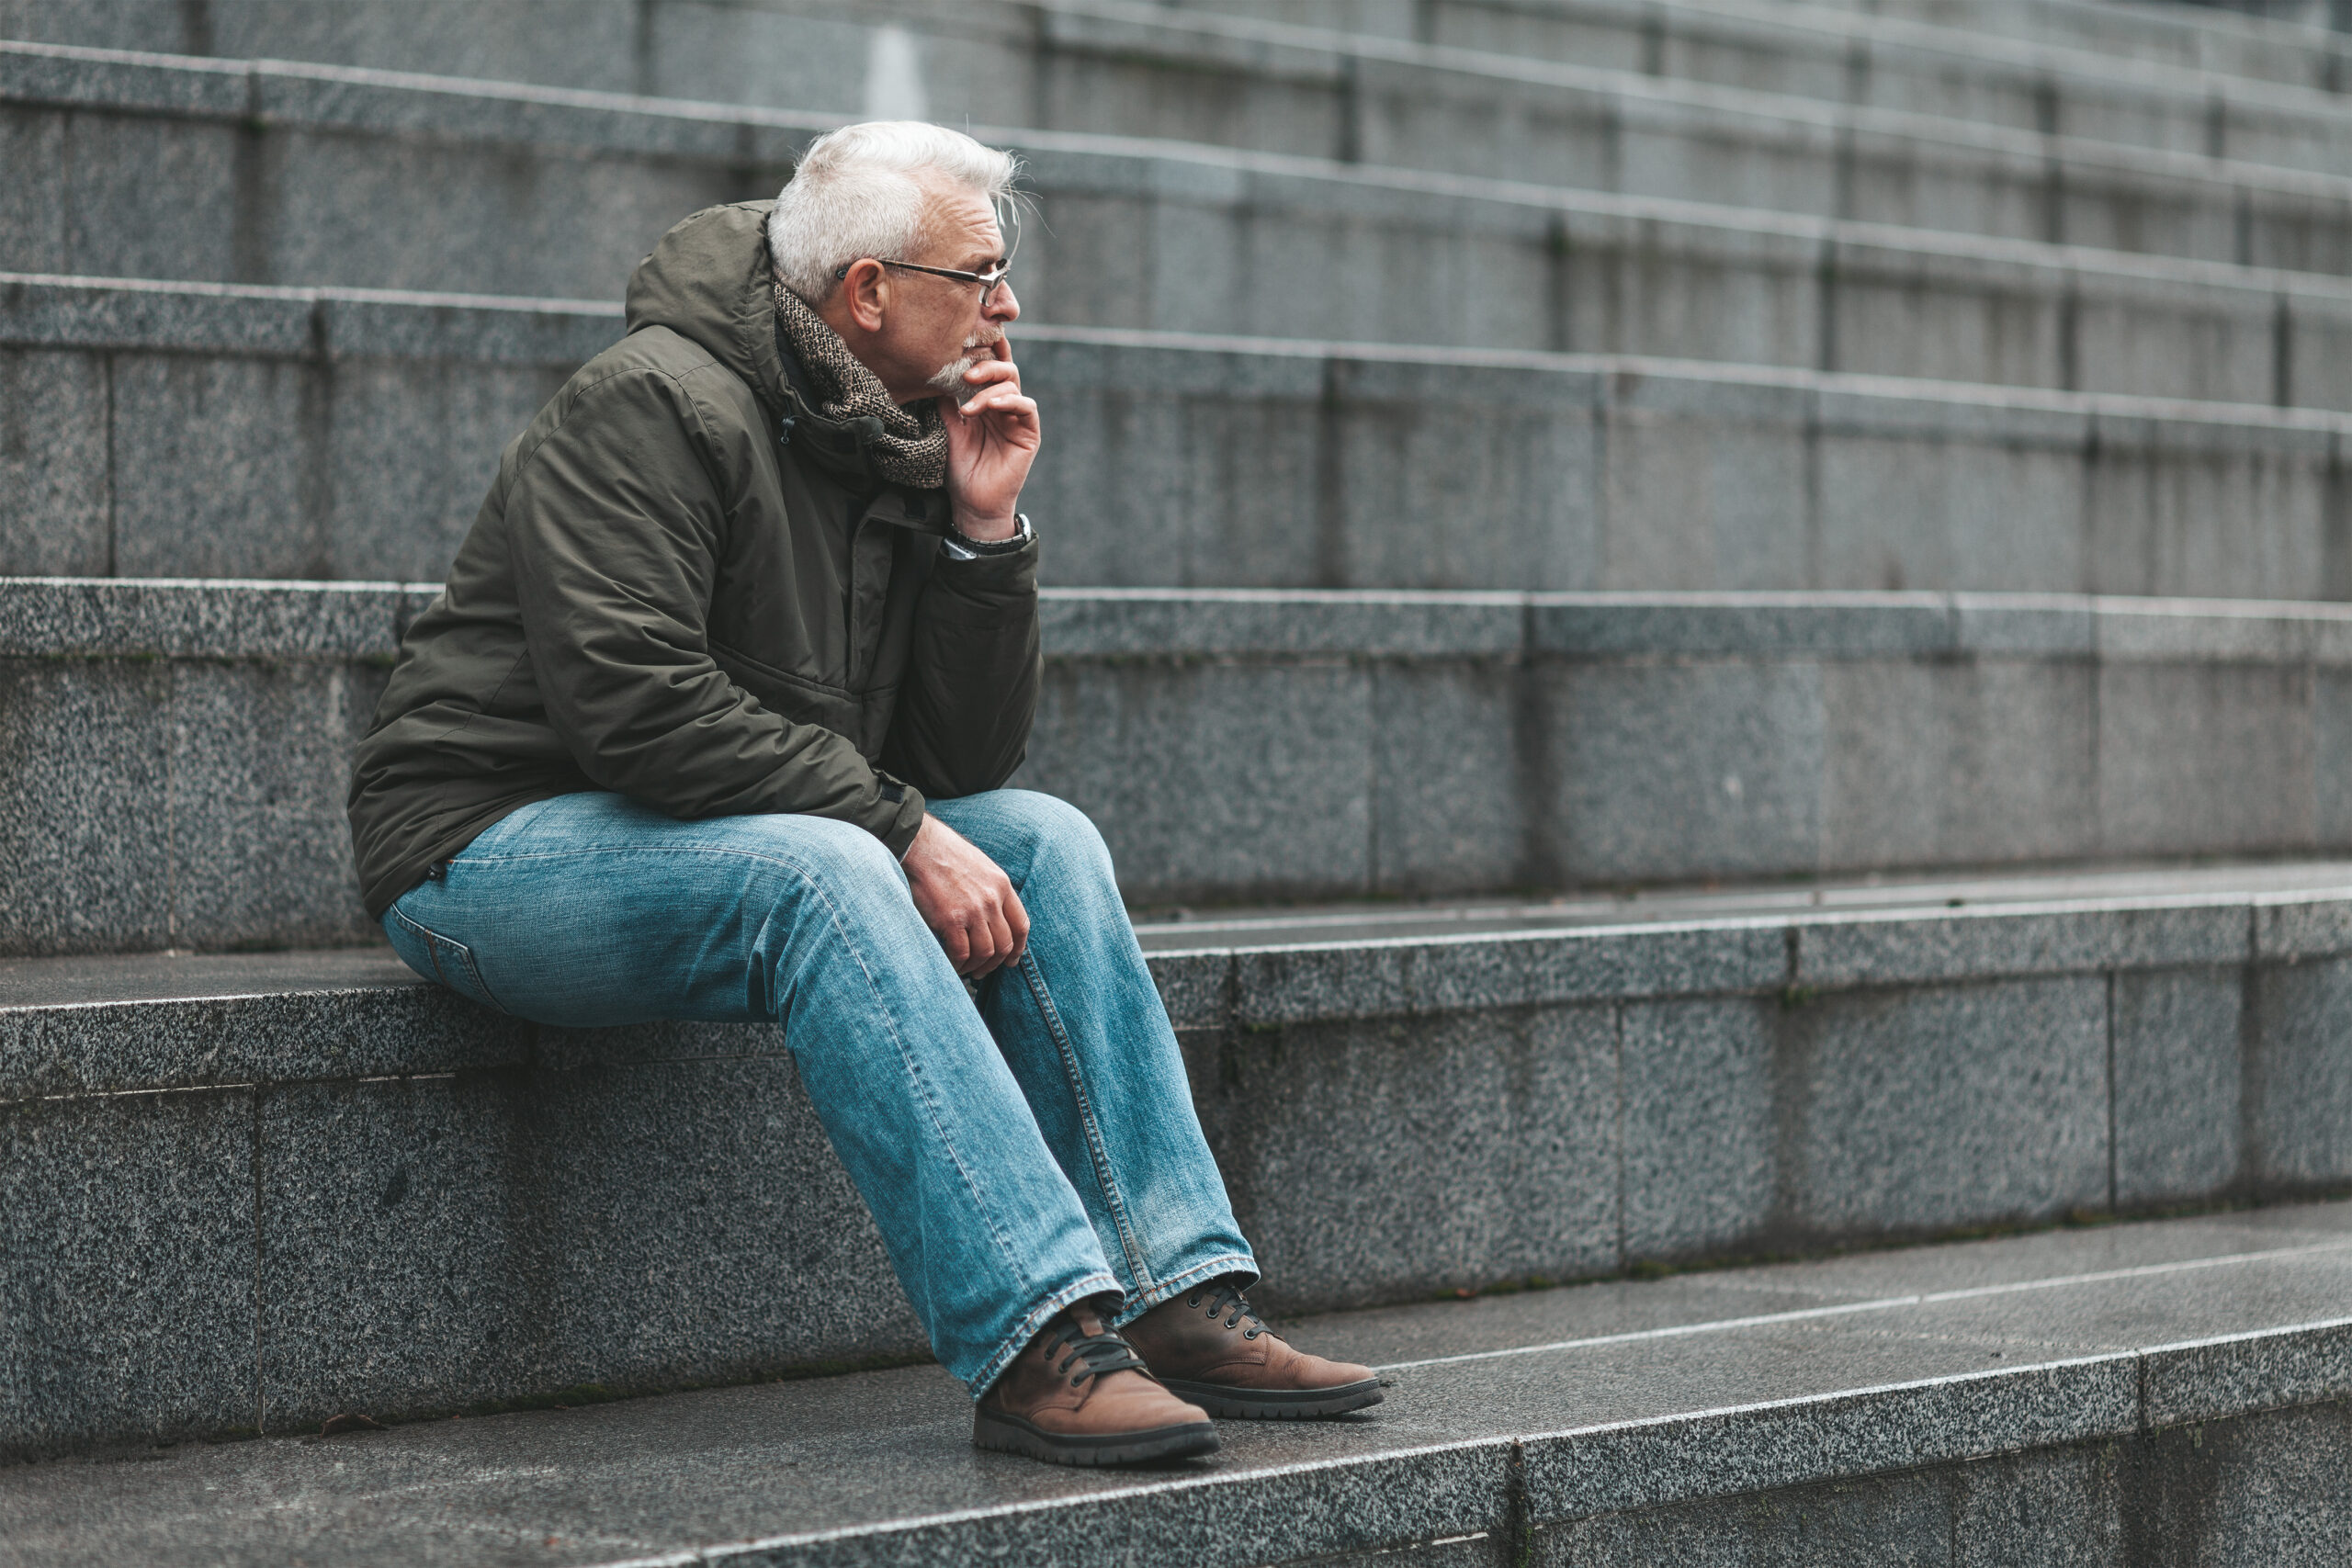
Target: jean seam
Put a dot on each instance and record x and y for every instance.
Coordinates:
(898, 1041)
(1036, 976)
(497, 856)
(433, 941)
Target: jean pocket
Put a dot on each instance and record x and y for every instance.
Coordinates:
(449, 961)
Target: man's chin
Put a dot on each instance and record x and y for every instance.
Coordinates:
(949, 381)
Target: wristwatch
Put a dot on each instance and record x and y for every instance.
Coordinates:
(959, 547)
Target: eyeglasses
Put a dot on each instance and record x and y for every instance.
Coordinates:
(988, 281)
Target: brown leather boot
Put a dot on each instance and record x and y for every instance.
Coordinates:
(1208, 1346)
(1076, 1395)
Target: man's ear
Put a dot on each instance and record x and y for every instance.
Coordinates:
(865, 293)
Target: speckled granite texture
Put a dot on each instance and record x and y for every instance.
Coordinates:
(1240, 744)
(384, 182)
(422, 1205)
(350, 433)
(2110, 1398)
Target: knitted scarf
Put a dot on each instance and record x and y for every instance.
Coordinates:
(912, 448)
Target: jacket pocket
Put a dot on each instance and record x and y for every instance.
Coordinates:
(795, 697)
(449, 961)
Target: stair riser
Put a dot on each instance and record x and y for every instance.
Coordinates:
(2259, 1488)
(179, 434)
(408, 1204)
(1241, 778)
(1242, 749)
(420, 190)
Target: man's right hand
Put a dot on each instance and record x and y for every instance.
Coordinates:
(966, 900)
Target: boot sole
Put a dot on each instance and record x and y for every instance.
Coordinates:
(1275, 1404)
(1012, 1435)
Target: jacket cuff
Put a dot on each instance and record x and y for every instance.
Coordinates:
(991, 583)
(897, 835)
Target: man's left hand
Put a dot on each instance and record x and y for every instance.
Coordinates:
(992, 438)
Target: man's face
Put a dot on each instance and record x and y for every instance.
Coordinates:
(933, 328)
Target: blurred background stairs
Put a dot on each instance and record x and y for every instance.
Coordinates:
(1703, 629)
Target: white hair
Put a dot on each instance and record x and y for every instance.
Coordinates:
(862, 191)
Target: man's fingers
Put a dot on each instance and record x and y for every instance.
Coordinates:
(1003, 396)
(988, 370)
(1017, 919)
(990, 942)
(1012, 405)
(1001, 935)
(967, 949)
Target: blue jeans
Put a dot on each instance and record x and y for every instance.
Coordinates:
(1018, 1156)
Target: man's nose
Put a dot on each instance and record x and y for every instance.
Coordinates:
(1003, 305)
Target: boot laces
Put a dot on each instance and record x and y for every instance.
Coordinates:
(1224, 1300)
(1100, 1354)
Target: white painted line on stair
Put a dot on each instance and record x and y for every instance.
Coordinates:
(1880, 1303)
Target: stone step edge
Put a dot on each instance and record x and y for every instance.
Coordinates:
(394, 1025)
(230, 90)
(119, 617)
(64, 311)
(1300, 44)
(1511, 1485)
(2028, 56)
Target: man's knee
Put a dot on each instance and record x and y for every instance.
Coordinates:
(1056, 833)
(845, 865)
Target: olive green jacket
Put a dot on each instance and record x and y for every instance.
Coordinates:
(671, 593)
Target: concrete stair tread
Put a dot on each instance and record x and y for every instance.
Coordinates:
(1181, 929)
(1508, 1418)
(190, 976)
(130, 1023)
(134, 977)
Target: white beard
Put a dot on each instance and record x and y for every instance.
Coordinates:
(949, 378)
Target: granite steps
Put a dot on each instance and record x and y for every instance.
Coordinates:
(173, 755)
(364, 1232)
(1119, 67)
(2162, 1393)
(2195, 38)
(368, 179)
(1340, 81)
(335, 434)
(252, 1191)
(1905, 55)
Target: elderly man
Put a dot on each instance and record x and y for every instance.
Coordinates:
(711, 722)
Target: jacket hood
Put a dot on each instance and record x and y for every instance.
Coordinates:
(709, 280)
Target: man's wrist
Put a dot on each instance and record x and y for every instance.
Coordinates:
(986, 530)
(961, 546)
